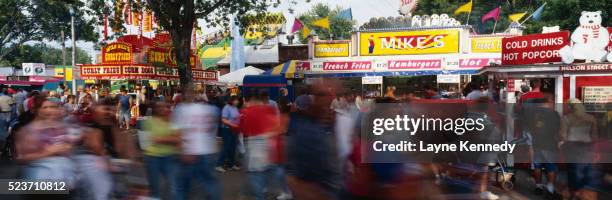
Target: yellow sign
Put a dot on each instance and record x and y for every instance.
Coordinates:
(331, 50)
(409, 42)
(59, 72)
(486, 45)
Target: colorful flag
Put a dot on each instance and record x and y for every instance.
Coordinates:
(465, 8)
(323, 23)
(493, 14)
(105, 33)
(305, 32)
(136, 18)
(297, 25)
(127, 14)
(147, 21)
(516, 17)
(538, 13)
(408, 6)
(345, 14)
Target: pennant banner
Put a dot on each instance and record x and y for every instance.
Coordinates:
(305, 32)
(105, 33)
(345, 14)
(517, 16)
(323, 23)
(493, 14)
(538, 13)
(297, 25)
(465, 8)
(147, 22)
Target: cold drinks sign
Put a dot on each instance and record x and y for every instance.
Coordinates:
(534, 48)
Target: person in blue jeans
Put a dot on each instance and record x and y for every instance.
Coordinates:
(161, 150)
(230, 118)
(198, 124)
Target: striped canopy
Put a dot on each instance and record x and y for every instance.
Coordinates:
(288, 69)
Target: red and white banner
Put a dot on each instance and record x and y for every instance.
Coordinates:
(610, 42)
(534, 48)
(347, 66)
(204, 75)
(477, 62)
(414, 64)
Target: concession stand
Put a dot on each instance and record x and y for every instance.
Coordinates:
(539, 56)
(142, 61)
(405, 59)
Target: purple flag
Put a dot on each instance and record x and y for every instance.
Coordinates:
(493, 14)
(297, 25)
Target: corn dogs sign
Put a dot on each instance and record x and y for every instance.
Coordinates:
(409, 42)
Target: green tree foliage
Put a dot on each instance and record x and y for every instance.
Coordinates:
(38, 20)
(178, 18)
(41, 53)
(340, 27)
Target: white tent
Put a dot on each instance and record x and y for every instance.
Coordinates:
(236, 77)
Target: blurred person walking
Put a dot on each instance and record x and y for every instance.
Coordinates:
(161, 154)
(579, 134)
(544, 124)
(313, 167)
(258, 122)
(102, 140)
(44, 145)
(230, 120)
(198, 124)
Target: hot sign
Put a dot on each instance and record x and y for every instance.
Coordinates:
(534, 48)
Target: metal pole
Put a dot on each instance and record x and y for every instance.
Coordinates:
(73, 52)
(64, 56)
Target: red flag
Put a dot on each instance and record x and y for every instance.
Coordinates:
(493, 14)
(297, 25)
(127, 14)
(105, 26)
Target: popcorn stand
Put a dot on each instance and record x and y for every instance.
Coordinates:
(571, 66)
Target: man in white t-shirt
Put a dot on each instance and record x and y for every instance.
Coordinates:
(198, 124)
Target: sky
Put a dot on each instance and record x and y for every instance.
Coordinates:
(362, 11)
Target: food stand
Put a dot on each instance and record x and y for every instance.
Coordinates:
(142, 61)
(406, 58)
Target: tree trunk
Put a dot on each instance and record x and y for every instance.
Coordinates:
(182, 44)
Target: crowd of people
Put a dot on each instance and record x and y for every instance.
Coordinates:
(309, 148)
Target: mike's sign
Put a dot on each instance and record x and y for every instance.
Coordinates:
(409, 42)
(534, 48)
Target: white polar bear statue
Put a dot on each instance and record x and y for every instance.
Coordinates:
(589, 40)
(551, 29)
(416, 21)
(435, 20)
(444, 20)
(426, 20)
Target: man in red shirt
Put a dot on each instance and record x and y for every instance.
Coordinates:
(535, 92)
(258, 123)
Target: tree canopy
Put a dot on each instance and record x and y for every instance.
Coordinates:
(38, 20)
(340, 28)
(41, 53)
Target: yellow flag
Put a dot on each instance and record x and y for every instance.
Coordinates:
(516, 17)
(305, 32)
(465, 8)
(147, 21)
(136, 18)
(323, 23)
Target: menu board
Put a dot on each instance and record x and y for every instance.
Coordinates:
(597, 98)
